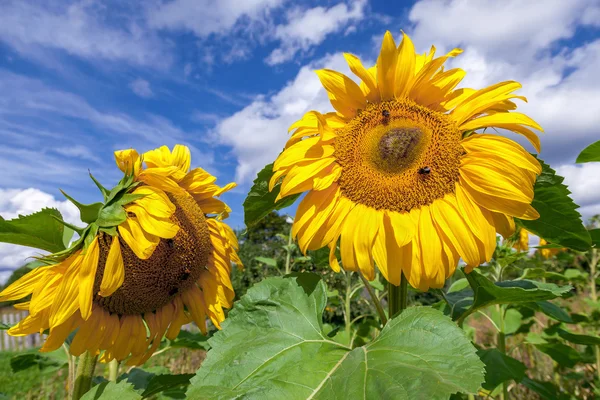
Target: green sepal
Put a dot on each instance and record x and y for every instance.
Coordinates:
(128, 198)
(105, 192)
(112, 230)
(91, 234)
(88, 212)
(71, 226)
(111, 215)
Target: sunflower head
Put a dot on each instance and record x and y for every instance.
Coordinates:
(400, 176)
(155, 255)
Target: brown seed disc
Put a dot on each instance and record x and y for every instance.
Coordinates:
(398, 155)
(174, 266)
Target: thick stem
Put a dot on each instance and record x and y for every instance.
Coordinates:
(375, 300)
(71, 364)
(85, 372)
(288, 257)
(113, 370)
(397, 297)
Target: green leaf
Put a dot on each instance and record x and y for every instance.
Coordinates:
(49, 362)
(260, 202)
(190, 340)
(546, 390)
(458, 285)
(564, 355)
(589, 154)
(111, 390)
(578, 339)
(500, 368)
(4, 326)
(111, 215)
(486, 293)
(41, 230)
(161, 383)
(88, 213)
(536, 273)
(551, 310)
(273, 345)
(269, 261)
(559, 221)
(595, 234)
(512, 320)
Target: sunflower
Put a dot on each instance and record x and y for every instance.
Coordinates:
(400, 173)
(548, 252)
(155, 256)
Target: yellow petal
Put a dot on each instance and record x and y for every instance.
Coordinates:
(66, 299)
(429, 243)
(386, 252)
(386, 67)
(345, 95)
(505, 225)
(59, 333)
(405, 67)
(357, 68)
(483, 99)
(114, 270)
(87, 275)
(511, 121)
(155, 201)
(193, 300)
(128, 160)
(161, 227)
(140, 242)
(365, 233)
(181, 157)
(502, 148)
(24, 285)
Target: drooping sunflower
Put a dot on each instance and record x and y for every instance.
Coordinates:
(400, 172)
(155, 256)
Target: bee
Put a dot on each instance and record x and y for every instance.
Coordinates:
(386, 116)
(170, 243)
(425, 171)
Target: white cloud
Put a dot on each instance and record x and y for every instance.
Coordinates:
(206, 17)
(15, 202)
(309, 27)
(258, 132)
(80, 29)
(142, 88)
(584, 183)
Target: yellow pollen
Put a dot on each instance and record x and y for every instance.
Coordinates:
(397, 155)
(174, 266)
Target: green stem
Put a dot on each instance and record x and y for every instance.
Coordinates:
(71, 376)
(593, 262)
(288, 257)
(113, 370)
(501, 344)
(347, 299)
(85, 372)
(397, 297)
(375, 300)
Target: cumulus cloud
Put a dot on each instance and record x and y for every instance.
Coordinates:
(309, 27)
(15, 202)
(584, 183)
(142, 88)
(258, 132)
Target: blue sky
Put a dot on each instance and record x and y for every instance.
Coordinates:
(81, 79)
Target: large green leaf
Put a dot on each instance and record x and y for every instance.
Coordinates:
(190, 340)
(273, 346)
(111, 390)
(590, 153)
(42, 230)
(578, 339)
(551, 310)
(260, 202)
(595, 234)
(484, 293)
(500, 368)
(559, 221)
(49, 362)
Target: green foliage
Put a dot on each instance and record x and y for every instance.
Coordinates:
(42, 230)
(590, 153)
(260, 202)
(546, 390)
(561, 353)
(500, 368)
(112, 390)
(559, 221)
(273, 345)
(190, 340)
(49, 362)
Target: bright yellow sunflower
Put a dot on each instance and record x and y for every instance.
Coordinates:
(399, 174)
(549, 252)
(155, 256)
